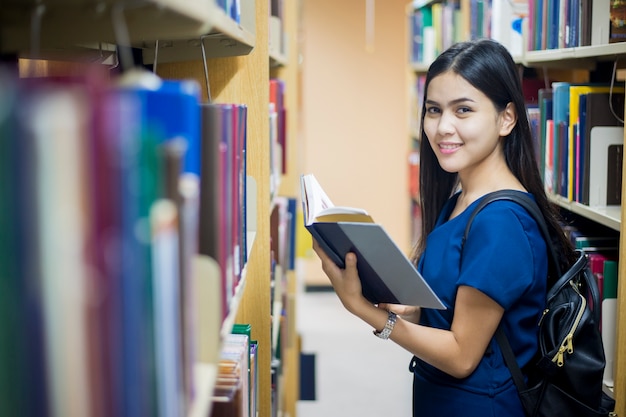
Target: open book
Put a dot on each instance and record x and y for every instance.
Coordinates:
(387, 275)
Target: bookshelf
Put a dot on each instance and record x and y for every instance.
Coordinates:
(286, 66)
(170, 35)
(570, 64)
(58, 26)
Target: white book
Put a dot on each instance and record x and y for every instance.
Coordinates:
(600, 138)
(58, 117)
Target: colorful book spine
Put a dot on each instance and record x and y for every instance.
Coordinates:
(102, 328)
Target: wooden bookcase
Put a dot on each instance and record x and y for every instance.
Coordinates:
(570, 63)
(239, 65)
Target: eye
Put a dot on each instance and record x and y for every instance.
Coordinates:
(463, 110)
(432, 110)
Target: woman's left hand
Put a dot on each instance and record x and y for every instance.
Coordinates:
(408, 313)
(345, 282)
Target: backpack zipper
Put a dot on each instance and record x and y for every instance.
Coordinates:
(567, 344)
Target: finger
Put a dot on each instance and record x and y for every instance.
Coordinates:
(384, 306)
(316, 245)
(350, 260)
(319, 251)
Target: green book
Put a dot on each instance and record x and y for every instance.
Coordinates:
(609, 285)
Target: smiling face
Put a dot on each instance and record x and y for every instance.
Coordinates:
(464, 127)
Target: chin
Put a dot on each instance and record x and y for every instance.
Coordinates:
(450, 169)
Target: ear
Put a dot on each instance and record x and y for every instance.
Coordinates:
(508, 119)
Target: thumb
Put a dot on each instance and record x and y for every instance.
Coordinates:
(350, 260)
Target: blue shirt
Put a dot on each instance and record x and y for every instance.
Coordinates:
(505, 258)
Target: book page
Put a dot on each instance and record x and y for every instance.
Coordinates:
(316, 202)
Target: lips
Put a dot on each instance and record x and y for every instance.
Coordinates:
(447, 148)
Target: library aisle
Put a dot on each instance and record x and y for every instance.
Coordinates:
(357, 374)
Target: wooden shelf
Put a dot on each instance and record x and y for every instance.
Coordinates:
(609, 216)
(277, 59)
(225, 37)
(416, 4)
(177, 24)
(584, 57)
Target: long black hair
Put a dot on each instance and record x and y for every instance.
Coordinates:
(488, 67)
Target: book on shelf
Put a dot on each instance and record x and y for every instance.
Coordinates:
(544, 100)
(166, 299)
(557, 24)
(601, 109)
(250, 364)
(56, 114)
(110, 314)
(386, 274)
(171, 111)
(560, 118)
(609, 318)
(575, 92)
(601, 162)
(571, 112)
(506, 24)
(534, 120)
(618, 22)
(549, 177)
(184, 190)
(22, 354)
(281, 232)
(292, 208)
(233, 391)
(424, 35)
(600, 22)
(614, 174)
(277, 97)
(222, 195)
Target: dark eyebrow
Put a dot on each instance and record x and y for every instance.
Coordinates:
(453, 102)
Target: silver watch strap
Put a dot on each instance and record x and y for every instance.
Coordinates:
(386, 331)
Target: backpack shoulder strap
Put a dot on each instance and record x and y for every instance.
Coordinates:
(531, 207)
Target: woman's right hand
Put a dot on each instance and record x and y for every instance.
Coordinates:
(346, 282)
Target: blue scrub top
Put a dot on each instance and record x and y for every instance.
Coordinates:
(504, 257)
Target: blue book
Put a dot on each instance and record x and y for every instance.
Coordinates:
(139, 183)
(171, 110)
(23, 389)
(539, 30)
(545, 112)
(552, 38)
(574, 27)
(243, 117)
(292, 207)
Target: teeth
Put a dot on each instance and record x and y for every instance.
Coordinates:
(448, 146)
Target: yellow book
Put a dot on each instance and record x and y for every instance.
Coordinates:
(575, 91)
(437, 11)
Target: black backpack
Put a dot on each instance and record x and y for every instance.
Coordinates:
(566, 377)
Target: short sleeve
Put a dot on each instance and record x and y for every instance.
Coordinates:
(497, 256)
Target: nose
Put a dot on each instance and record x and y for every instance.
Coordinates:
(445, 126)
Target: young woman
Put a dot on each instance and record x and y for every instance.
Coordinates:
(475, 139)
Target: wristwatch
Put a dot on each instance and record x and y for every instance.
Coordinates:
(386, 331)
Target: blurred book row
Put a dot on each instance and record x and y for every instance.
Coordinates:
(110, 193)
(549, 24)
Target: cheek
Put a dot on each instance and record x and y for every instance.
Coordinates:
(430, 127)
